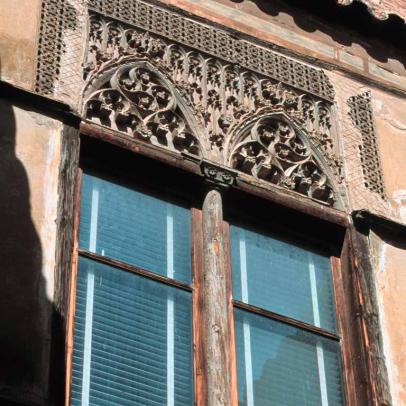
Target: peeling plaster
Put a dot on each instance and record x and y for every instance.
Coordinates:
(399, 196)
(50, 196)
(382, 257)
(384, 113)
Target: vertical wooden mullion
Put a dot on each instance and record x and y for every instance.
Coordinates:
(215, 302)
(342, 313)
(233, 359)
(72, 289)
(199, 364)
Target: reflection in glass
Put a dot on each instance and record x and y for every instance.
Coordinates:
(136, 228)
(282, 278)
(279, 364)
(132, 341)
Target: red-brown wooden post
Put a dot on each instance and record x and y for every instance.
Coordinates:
(218, 376)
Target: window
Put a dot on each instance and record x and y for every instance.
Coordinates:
(286, 344)
(140, 326)
(133, 319)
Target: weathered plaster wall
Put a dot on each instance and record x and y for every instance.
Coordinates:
(284, 25)
(29, 164)
(391, 130)
(18, 36)
(390, 124)
(390, 265)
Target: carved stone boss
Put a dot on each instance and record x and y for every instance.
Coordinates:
(160, 92)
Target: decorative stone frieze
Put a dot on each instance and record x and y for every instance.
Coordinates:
(159, 91)
(361, 114)
(167, 80)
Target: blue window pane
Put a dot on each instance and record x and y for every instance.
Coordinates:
(282, 278)
(279, 364)
(132, 340)
(136, 228)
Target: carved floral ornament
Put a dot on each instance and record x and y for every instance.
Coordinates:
(168, 95)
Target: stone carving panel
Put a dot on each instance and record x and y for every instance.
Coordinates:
(361, 115)
(220, 93)
(59, 25)
(273, 150)
(137, 101)
(176, 83)
(220, 96)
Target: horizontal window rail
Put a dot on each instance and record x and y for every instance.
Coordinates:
(134, 269)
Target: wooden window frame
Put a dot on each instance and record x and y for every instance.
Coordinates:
(357, 381)
(193, 288)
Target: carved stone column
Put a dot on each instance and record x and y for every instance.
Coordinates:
(217, 355)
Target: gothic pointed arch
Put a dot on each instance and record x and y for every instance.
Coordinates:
(177, 96)
(271, 147)
(135, 98)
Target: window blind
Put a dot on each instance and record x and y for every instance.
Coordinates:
(132, 341)
(280, 365)
(132, 334)
(122, 223)
(282, 278)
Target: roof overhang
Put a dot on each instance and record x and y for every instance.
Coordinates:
(381, 9)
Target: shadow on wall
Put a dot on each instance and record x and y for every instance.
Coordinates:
(346, 25)
(24, 307)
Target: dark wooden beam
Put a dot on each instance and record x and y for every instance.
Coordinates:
(65, 237)
(364, 285)
(243, 182)
(199, 337)
(133, 269)
(293, 200)
(286, 320)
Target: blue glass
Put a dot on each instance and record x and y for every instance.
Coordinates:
(132, 340)
(133, 227)
(278, 364)
(281, 277)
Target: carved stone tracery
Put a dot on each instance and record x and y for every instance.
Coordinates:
(205, 83)
(273, 150)
(138, 102)
(173, 96)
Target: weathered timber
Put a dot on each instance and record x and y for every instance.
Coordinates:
(286, 320)
(347, 320)
(64, 248)
(198, 308)
(369, 319)
(215, 303)
(72, 287)
(293, 200)
(243, 182)
(133, 269)
(229, 287)
(176, 159)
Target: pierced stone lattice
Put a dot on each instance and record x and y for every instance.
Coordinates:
(219, 43)
(50, 44)
(58, 17)
(273, 150)
(362, 117)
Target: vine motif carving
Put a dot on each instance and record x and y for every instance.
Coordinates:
(272, 150)
(221, 96)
